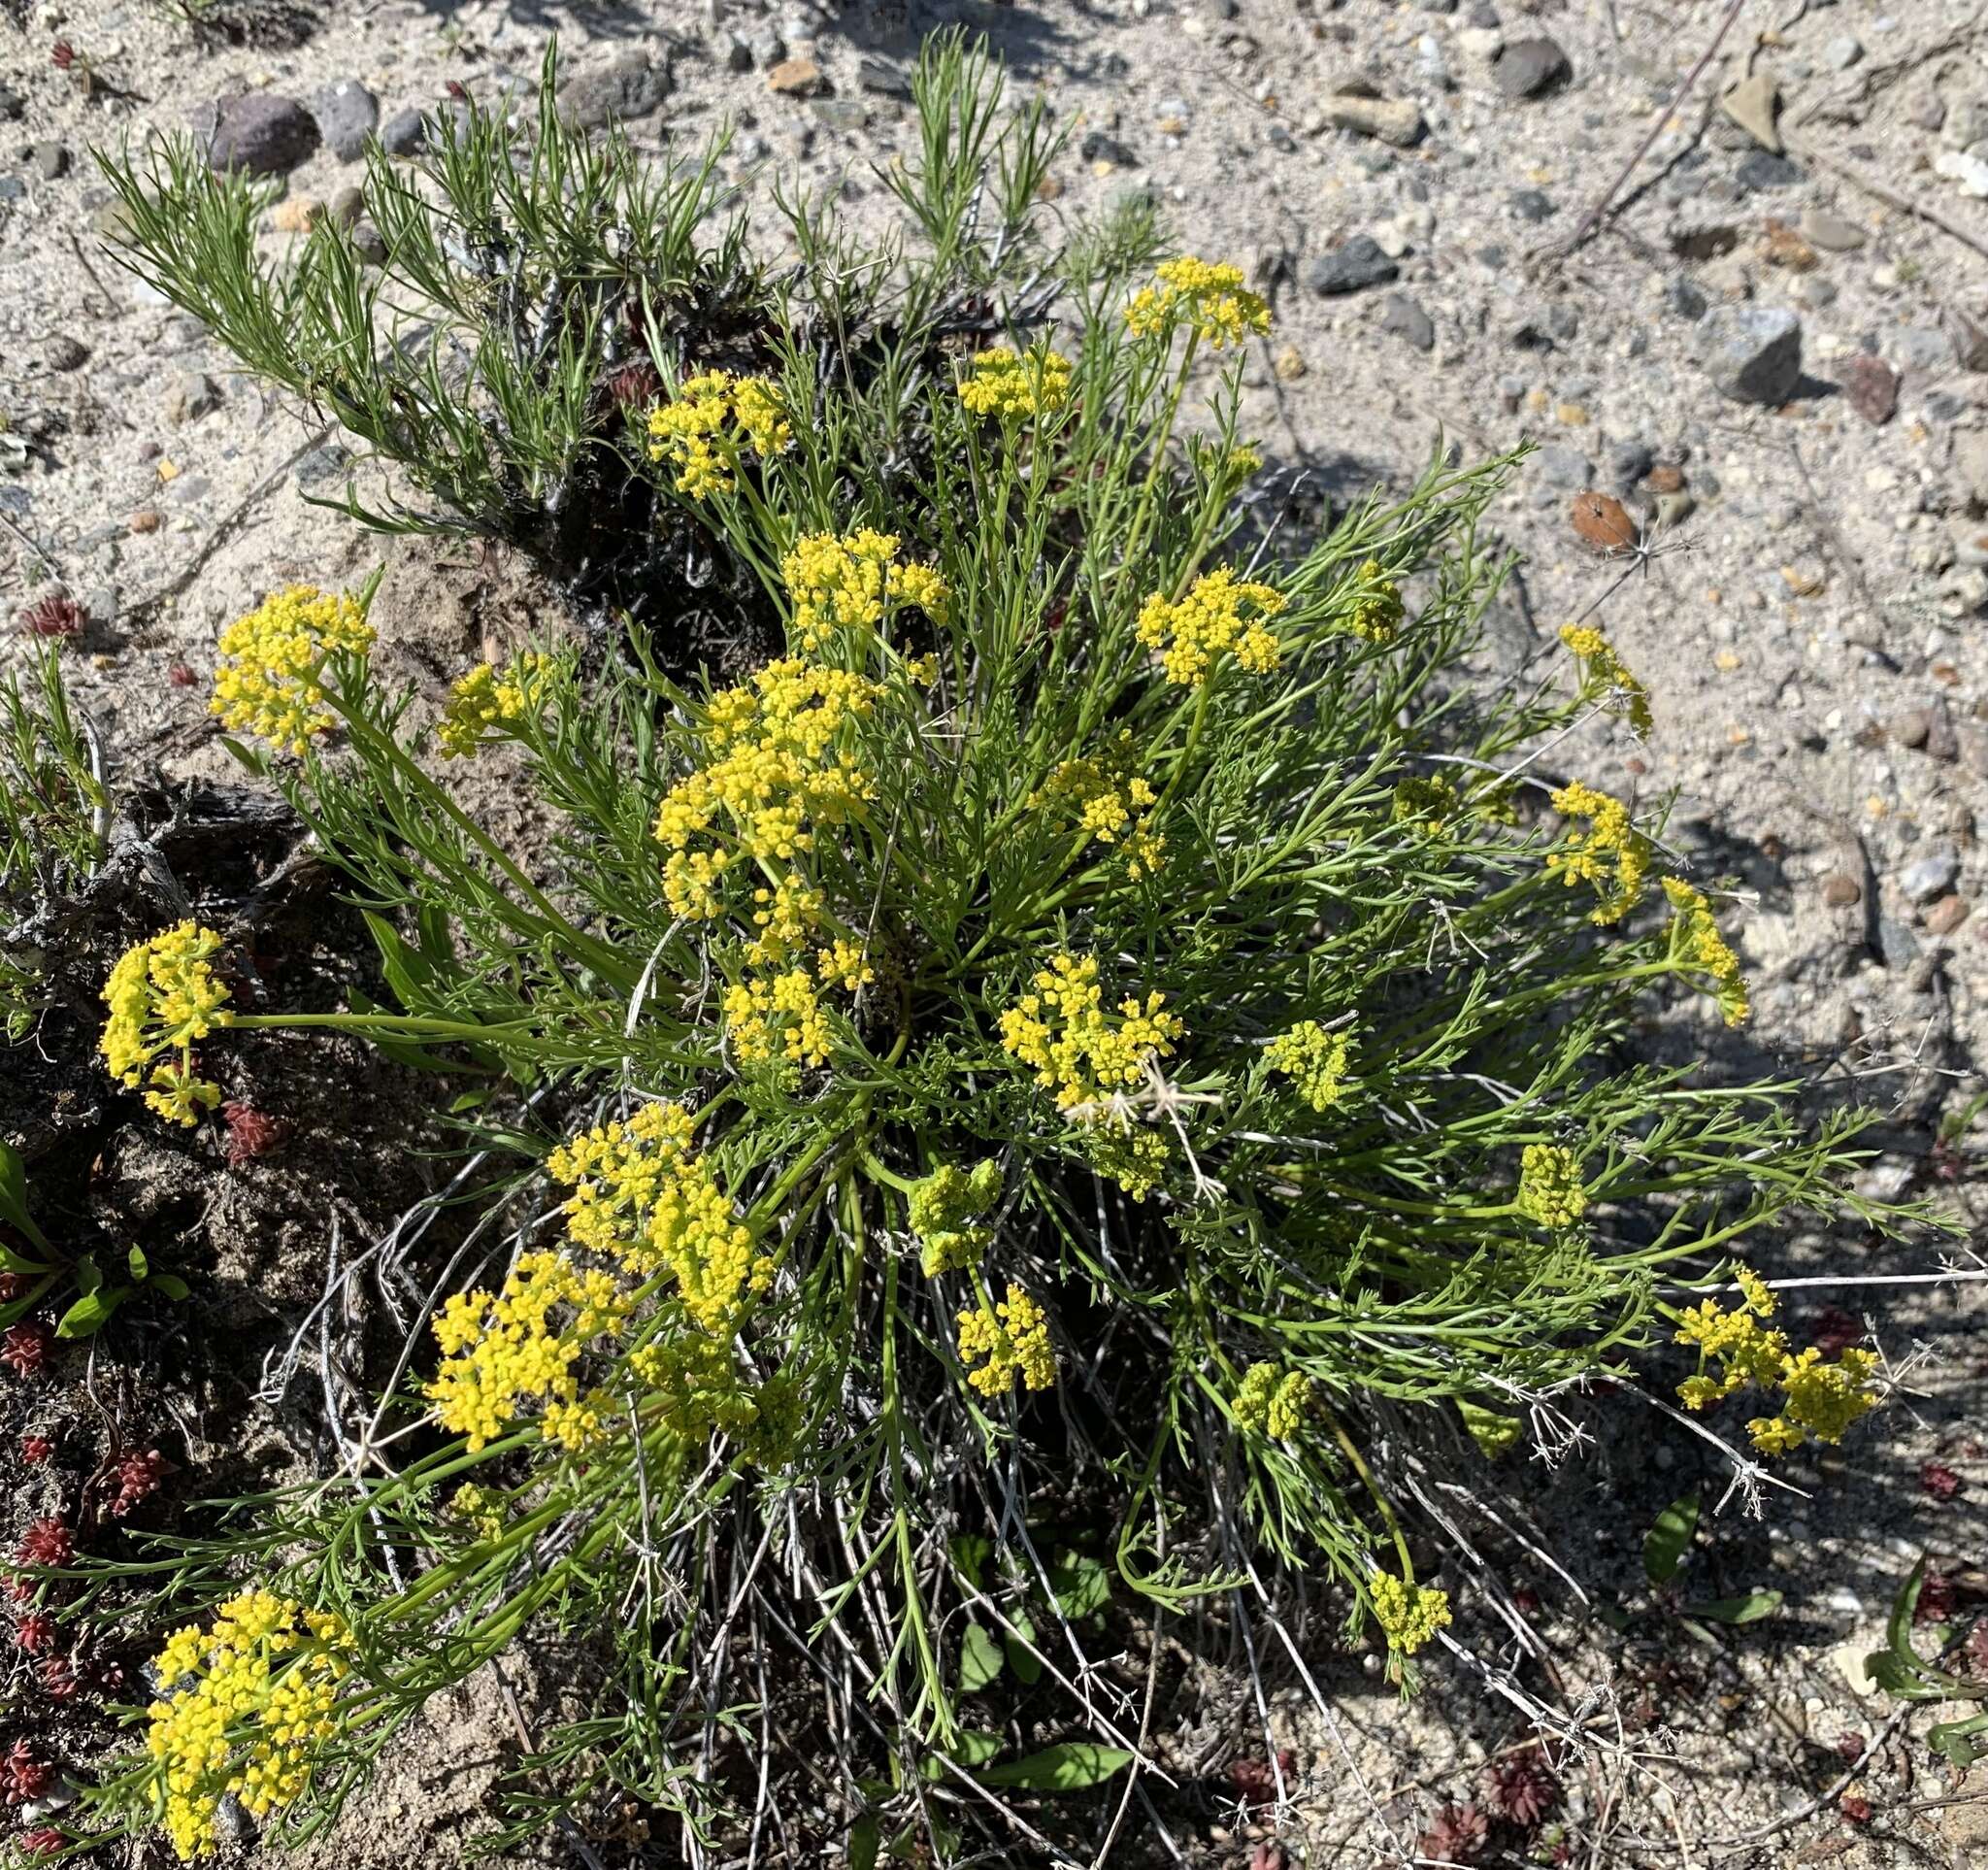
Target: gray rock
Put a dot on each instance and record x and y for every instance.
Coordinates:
(12, 188)
(1628, 462)
(1830, 232)
(346, 205)
(1932, 875)
(1752, 104)
(1752, 352)
(347, 115)
(190, 395)
(880, 75)
(1965, 123)
(1564, 467)
(1530, 67)
(1970, 463)
(769, 48)
(738, 53)
(1098, 147)
(1843, 52)
(1534, 204)
(1919, 347)
(11, 104)
(1407, 319)
(1359, 263)
(1683, 300)
(52, 159)
(1397, 122)
(1763, 170)
(405, 133)
(65, 352)
(262, 135)
(627, 85)
(368, 241)
(323, 464)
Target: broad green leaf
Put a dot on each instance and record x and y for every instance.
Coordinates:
(87, 1275)
(1081, 1584)
(971, 1552)
(970, 1748)
(1748, 1607)
(1069, 1768)
(172, 1285)
(866, 1839)
(1666, 1543)
(1028, 1670)
(979, 1659)
(1496, 1435)
(87, 1316)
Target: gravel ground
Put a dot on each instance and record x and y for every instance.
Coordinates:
(1771, 347)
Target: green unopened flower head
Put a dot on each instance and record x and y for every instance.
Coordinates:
(940, 1207)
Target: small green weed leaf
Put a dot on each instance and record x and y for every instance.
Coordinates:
(1071, 1767)
(1081, 1584)
(971, 1553)
(88, 1277)
(172, 1287)
(866, 1839)
(1748, 1607)
(1023, 1659)
(1496, 1435)
(136, 1261)
(1666, 1543)
(1905, 1608)
(971, 1747)
(1614, 1616)
(979, 1659)
(88, 1314)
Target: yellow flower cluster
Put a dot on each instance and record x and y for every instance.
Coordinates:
(1602, 667)
(1376, 612)
(1206, 294)
(1817, 1398)
(1271, 1404)
(243, 1709)
(643, 1197)
(1208, 621)
(1426, 804)
(1697, 947)
(942, 1207)
(844, 584)
(1410, 1614)
(781, 1015)
(1611, 855)
(271, 681)
(713, 421)
(774, 775)
(1315, 1057)
(476, 1509)
(164, 999)
(1551, 1188)
(1015, 1340)
(1013, 386)
(1076, 1049)
(500, 1349)
(488, 700)
(1105, 797)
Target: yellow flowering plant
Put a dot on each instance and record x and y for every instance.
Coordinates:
(1102, 1012)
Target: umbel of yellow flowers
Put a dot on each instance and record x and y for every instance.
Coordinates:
(164, 999)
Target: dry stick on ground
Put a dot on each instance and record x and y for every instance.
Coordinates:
(1593, 216)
